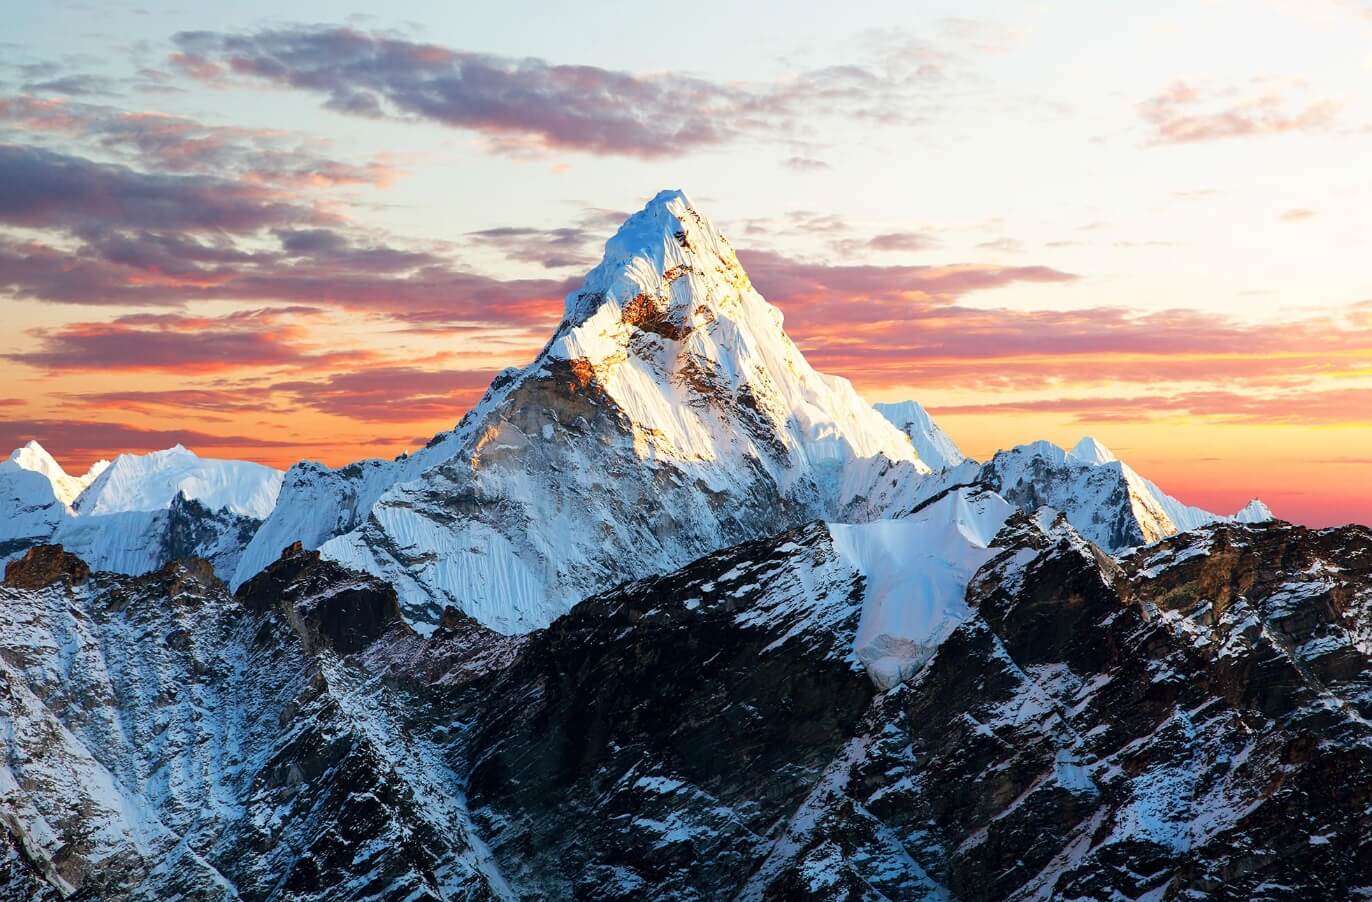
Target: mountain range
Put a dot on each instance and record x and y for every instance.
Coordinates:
(670, 614)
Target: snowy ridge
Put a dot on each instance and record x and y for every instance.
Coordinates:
(934, 446)
(138, 513)
(317, 502)
(149, 482)
(31, 508)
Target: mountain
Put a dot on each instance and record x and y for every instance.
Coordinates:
(30, 507)
(1103, 498)
(35, 457)
(1185, 722)
(668, 416)
(35, 497)
(932, 444)
(139, 512)
(149, 482)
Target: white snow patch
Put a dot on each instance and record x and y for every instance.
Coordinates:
(917, 570)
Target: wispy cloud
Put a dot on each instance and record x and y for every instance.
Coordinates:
(182, 344)
(530, 103)
(399, 394)
(1312, 407)
(805, 164)
(181, 144)
(315, 266)
(78, 443)
(1186, 113)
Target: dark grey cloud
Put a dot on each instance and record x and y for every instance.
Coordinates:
(41, 188)
(317, 267)
(524, 103)
(180, 144)
(76, 84)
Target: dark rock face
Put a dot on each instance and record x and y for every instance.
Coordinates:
(194, 530)
(1030, 480)
(1188, 721)
(43, 565)
(327, 605)
(166, 740)
(1186, 726)
(650, 742)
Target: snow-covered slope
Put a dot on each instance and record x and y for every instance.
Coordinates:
(1103, 497)
(136, 542)
(916, 570)
(149, 482)
(317, 502)
(934, 446)
(668, 416)
(66, 488)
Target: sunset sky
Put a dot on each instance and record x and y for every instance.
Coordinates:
(320, 236)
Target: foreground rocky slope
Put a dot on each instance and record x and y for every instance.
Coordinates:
(1187, 721)
(164, 739)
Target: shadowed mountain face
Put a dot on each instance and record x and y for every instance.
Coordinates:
(1186, 721)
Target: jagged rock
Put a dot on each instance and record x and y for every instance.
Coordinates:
(44, 565)
(165, 740)
(328, 606)
(1107, 732)
(1187, 721)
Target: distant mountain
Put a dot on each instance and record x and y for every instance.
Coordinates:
(933, 445)
(1103, 497)
(668, 416)
(65, 488)
(149, 482)
(30, 510)
(139, 512)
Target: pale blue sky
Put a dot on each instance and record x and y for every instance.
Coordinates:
(1034, 139)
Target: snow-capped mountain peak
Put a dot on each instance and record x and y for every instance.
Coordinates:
(671, 328)
(149, 482)
(668, 416)
(1104, 498)
(1254, 511)
(1090, 451)
(934, 446)
(33, 456)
